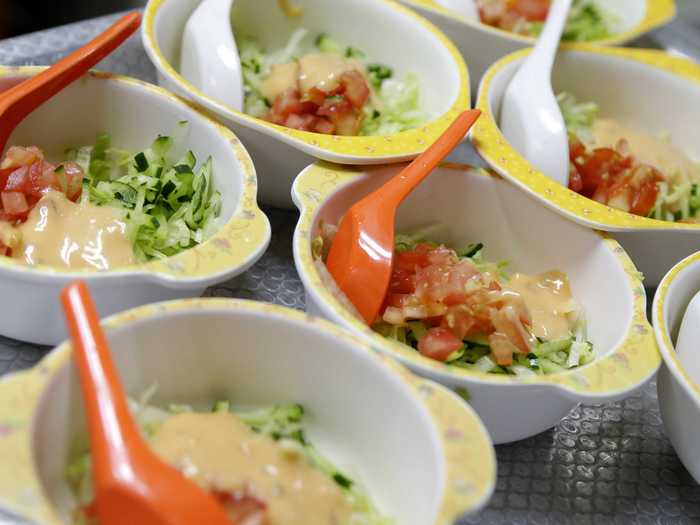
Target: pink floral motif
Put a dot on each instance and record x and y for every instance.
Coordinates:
(6, 429)
(454, 433)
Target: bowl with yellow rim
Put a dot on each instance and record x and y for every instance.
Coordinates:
(477, 207)
(482, 44)
(280, 152)
(638, 82)
(134, 113)
(368, 416)
(679, 394)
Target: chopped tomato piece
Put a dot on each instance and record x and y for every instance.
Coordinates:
(323, 125)
(317, 96)
(531, 10)
(243, 509)
(439, 343)
(17, 156)
(14, 203)
(18, 180)
(502, 349)
(356, 89)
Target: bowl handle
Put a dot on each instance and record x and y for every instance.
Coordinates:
(20, 488)
(470, 459)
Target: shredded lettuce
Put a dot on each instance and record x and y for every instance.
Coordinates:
(282, 423)
(578, 116)
(169, 204)
(394, 107)
(587, 21)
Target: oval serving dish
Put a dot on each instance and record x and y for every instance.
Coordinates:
(482, 45)
(280, 153)
(477, 207)
(367, 414)
(638, 82)
(134, 113)
(679, 394)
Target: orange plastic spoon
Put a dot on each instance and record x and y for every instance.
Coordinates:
(360, 256)
(132, 485)
(20, 100)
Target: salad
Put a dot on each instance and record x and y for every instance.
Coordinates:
(323, 87)
(456, 307)
(626, 168)
(104, 207)
(258, 463)
(587, 21)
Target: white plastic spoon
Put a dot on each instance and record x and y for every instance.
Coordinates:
(688, 344)
(530, 116)
(209, 56)
(466, 8)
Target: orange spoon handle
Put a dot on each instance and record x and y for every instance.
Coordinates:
(112, 429)
(398, 188)
(20, 100)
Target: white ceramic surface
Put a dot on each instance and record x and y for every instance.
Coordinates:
(679, 393)
(482, 45)
(209, 56)
(637, 83)
(369, 416)
(476, 207)
(688, 343)
(530, 116)
(134, 113)
(280, 153)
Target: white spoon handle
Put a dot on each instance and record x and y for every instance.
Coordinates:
(542, 56)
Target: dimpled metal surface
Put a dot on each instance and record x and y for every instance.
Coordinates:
(607, 464)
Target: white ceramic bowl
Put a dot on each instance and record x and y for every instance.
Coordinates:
(482, 45)
(679, 395)
(477, 207)
(368, 415)
(637, 83)
(134, 113)
(280, 153)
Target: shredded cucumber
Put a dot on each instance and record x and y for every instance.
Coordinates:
(169, 204)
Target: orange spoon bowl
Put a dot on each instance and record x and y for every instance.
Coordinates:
(255, 355)
(466, 205)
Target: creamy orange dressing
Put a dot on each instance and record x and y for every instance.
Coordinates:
(645, 148)
(548, 299)
(63, 234)
(320, 70)
(220, 452)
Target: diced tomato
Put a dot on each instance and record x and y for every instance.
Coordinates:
(14, 203)
(286, 103)
(334, 108)
(356, 88)
(397, 300)
(531, 10)
(17, 156)
(410, 260)
(41, 177)
(316, 95)
(303, 122)
(323, 125)
(402, 281)
(18, 180)
(243, 509)
(575, 180)
(459, 321)
(576, 149)
(501, 348)
(439, 343)
(73, 184)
